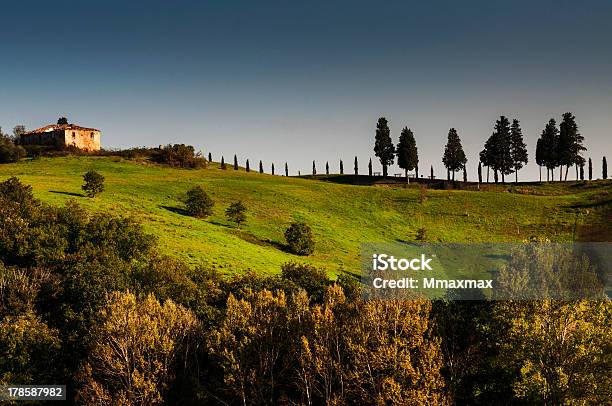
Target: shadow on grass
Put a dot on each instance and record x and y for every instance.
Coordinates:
(67, 193)
(176, 210)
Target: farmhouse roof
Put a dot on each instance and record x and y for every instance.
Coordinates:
(55, 127)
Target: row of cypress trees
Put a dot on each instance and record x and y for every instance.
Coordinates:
(504, 152)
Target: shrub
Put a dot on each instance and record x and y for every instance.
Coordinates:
(236, 212)
(94, 183)
(9, 152)
(299, 238)
(181, 155)
(198, 203)
(313, 280)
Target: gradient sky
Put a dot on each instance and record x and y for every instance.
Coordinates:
(296, 81)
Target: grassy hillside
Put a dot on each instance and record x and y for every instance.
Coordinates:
(342, 216)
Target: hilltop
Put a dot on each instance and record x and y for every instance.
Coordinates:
(341, 215)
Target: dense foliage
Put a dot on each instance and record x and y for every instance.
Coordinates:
(86, 300)
(94, 183)
(198, 203)
(299, 238)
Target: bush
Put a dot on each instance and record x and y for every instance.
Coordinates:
(181, 155)
(236, 212)
(198, 203)
(299, 238)
(10, 152)
(313, 280)
(94, 183)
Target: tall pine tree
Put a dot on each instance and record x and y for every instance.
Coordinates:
(590, 169)
(407, 154)
(550, 138)
(272, 168)
(370, 167)
(356, 167)
(454, 158)
(235, 162)
(341, 168)
(604, 168)
(261, 167)
(383, 146)
(518, 149)
(314, 168)
(248, 167)
(502, 149)
(327, 168)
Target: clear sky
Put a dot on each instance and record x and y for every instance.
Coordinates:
(301, 80)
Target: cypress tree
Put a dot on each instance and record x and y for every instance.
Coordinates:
(223, 163)
(407, 154)
(314, 168)
(235, 163)
(431, 172)
(272, 168)
(570, 143)
(518, 149)
(581, 172)
(604, 168)
(248, 167)
(260, 166)
(479, 172)
(590, 169)
(370, 167)
(383, 146)
(341, 168)
(502, 150)
(327, 168)
(454, 158)
(286, 169)
(356, 167)
(549, 137)
(209, 157)
(486, 155)
(539, 155)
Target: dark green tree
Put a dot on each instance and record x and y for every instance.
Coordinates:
(272, 168)
(235, 162)
(590, 169)
(502, 159)
(464, 174)
(341, 168)
(286, 169)
(198, 203)
(604, 168)
(299, 238)
(356, 167)
(570, 143)
(236, 212)
(407, 154)
(370, 167)
(549, 137)
(454, 158)
(209, 157)
(486, 155)
(62, 121)
(261, 167)
(479, 172)
(223, 166)
(383, 146)
(431, 172)
(539, 155)
(582, 172)
(248, 167)
(327, 168)
(518, 149)
(94, 183)
(314, 168)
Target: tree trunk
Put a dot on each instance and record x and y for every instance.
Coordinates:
(515, 176)
(487, 174)
(566, 170)
(540, 173)
(576, 171)
(561, 173)
(384, 170)
(406, 172)
(453, 176)
(503, 177)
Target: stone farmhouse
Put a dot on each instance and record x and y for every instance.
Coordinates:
(63, 134)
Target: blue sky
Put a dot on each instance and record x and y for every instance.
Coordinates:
(296, 81)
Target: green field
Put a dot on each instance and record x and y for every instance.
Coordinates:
(342, 216)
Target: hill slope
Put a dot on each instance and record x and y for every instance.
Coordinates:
(342, 216)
